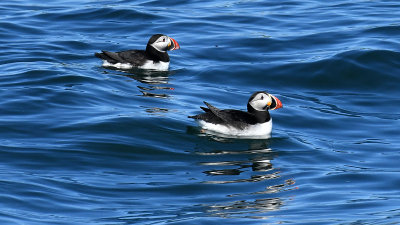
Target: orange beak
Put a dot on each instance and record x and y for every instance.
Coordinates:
(174, 46)
(278, 103)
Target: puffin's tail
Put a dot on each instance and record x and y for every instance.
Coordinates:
(111, 57)
(199, 116)
(193, 117)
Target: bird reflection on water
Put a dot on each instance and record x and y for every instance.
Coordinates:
(154, 84)
(253, 165)
(151, 77)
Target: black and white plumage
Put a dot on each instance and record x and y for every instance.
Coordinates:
(155, 56)
(255, 122)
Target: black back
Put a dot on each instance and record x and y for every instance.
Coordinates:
(136, 57)
(230, 117)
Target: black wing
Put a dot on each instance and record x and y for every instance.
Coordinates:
(230, 117)
(134, 57)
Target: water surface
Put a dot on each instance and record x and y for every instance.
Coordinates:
(83, 144)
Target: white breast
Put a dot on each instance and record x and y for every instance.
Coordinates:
(148, 65)
(258, 131)
(124, 66)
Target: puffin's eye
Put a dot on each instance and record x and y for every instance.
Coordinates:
(262, 97)
(163, 40)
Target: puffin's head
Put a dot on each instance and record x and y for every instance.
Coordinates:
(163, 43)
(263, 101)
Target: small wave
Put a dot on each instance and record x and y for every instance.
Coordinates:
(385, 30)
(96, 13)
(370, 70)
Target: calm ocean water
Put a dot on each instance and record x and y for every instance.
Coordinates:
(82, 144)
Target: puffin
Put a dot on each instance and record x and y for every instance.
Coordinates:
(155, 57)
(256, 122)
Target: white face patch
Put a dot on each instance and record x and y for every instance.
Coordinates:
(261, 101)
(162, 43)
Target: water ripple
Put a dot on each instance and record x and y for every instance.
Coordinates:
(83, 144)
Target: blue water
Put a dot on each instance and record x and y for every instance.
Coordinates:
(83, 144)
